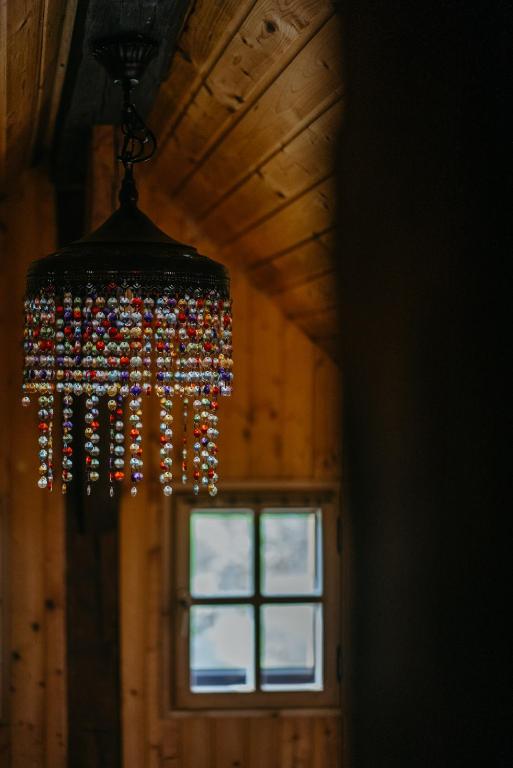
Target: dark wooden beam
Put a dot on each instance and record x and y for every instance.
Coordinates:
(88, 96)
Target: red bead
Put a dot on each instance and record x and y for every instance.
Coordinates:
(214, 404)
(95, 424)
(88, 459)
(197, 432)
(196, 474)
(43, 426)
(163, 439)
(113, 332)
(100, 345)
(182, 317)
(119, 475)
(207, 346)
(137, 301)
(68, 450)
(211, 473)
(204, 428)
(77, 314)
(191, 332)
(124, 360)
(134, 432)
(119, 412)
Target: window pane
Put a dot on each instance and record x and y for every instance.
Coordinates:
(291, 652)
(221, 553)
(291, 552)
(222, 648)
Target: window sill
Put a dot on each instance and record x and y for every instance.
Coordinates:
(260, 712)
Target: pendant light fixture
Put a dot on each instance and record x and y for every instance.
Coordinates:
(124, 313)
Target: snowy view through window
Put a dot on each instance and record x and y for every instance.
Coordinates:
(229, 551)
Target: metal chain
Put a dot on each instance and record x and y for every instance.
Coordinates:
(139, 142)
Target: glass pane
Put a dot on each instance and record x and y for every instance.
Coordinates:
(291, 552)
(222, 648)
(221, 553)
(291, 652)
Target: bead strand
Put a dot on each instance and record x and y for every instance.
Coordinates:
(164, 391)
(133, 327)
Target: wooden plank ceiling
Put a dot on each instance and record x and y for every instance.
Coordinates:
(246, 120)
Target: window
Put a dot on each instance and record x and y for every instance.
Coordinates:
(256, 589)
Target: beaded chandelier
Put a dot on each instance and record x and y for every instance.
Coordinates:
(125, 313)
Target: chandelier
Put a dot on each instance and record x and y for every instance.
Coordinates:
(122, 314)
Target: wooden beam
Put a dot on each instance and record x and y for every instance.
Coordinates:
(89, 97)
(47, 127)
(58, 17)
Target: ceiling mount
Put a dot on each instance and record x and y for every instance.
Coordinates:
(125, 56)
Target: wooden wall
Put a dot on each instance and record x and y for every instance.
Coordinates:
(33, 722)
(280, 424)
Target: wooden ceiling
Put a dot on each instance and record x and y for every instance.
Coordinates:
(247, 120)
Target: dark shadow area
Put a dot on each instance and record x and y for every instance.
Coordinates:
(424, 198)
